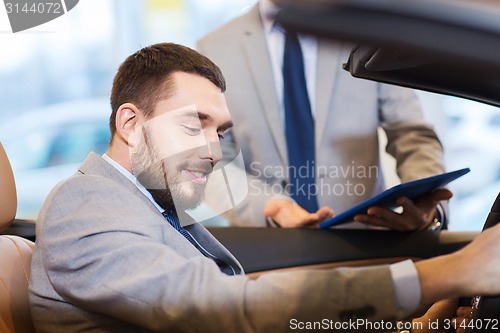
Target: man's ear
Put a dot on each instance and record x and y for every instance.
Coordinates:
(127, 117)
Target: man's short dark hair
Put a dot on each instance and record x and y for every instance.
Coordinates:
(144, 78)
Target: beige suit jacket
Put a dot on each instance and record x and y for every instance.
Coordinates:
(105, 260)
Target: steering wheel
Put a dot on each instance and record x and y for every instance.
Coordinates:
(485, 316)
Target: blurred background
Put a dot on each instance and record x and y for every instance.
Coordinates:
(56, 78)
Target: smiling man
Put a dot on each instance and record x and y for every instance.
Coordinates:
(176, 174)
(115, 251)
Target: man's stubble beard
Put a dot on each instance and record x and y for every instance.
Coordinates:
(172, 197)
(165, 197)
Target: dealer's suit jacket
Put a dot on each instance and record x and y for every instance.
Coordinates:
(106, 260)
(348, 113)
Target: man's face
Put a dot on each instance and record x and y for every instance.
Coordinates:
(173, 153)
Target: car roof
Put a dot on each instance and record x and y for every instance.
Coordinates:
(443, 46)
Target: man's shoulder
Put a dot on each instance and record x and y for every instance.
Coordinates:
(78, 188)
(89, 197)
(236, 26)
(93, 170)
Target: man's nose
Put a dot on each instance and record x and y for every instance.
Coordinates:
(213, 151)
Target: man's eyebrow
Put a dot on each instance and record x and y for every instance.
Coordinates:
(206, 117)
(227, 125)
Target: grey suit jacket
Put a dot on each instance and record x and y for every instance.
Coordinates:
(348, 114)
(105, 260)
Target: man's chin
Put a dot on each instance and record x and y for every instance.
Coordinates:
(179, 201)
(188, 202)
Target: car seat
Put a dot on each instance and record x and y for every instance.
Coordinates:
(15, 263)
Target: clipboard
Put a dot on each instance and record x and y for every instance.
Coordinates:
(411, 190)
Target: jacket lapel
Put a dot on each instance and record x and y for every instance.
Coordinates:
(329, 63)
(96, 165)
(257, 59)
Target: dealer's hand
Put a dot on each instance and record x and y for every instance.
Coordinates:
(462, 318)
(443, 317)
(288, 214)
(437, 319)
(416, 215)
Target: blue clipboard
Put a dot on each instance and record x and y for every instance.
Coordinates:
(411, 190)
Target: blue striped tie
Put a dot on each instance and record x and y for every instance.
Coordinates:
(225, 267)
(174, 222)
(299, 126)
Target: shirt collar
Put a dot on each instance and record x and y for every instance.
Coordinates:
(133, 179)
(268, 11)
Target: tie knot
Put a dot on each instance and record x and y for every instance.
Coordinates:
(289, 33)
(279, 27)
